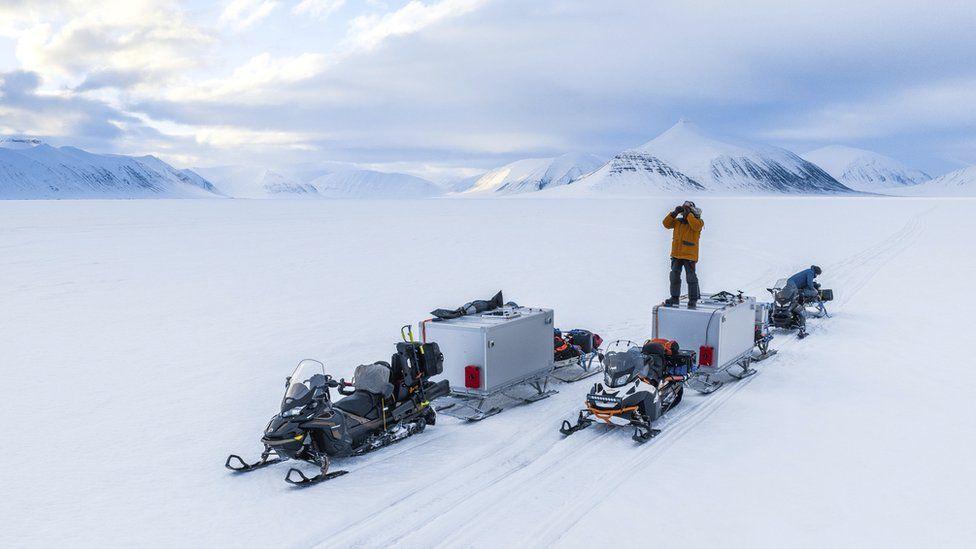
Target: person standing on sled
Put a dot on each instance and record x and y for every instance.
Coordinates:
(686, 225)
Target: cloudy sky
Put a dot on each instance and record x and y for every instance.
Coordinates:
(445, 88)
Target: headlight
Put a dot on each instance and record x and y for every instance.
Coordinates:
(292, 412)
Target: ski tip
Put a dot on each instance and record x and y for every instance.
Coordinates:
(235, 463)
(303, 481)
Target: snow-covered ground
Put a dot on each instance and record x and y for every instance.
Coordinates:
(143, 341)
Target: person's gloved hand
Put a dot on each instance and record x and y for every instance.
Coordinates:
(677, 211)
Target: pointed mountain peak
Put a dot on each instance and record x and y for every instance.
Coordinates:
(684, 125)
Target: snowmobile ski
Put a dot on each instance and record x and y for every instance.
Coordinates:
(643, 434)
(303, 480)
(581, 423)
(238, 465)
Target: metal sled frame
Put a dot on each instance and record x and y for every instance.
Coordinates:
(577, 368)
(477, 407)
(702, 382)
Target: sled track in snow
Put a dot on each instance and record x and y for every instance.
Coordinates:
(485, 487)
(435, 501)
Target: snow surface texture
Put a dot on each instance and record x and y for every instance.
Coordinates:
(144, 341)
(686, 159)
(865, 170)
(534, 174)
(958, 183)
(32, 169)
(255, 182)
(370, 184)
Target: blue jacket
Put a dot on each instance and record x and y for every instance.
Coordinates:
(803, 280)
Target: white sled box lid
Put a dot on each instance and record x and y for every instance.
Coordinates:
(492, 318)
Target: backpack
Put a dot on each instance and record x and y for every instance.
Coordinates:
(563, 349)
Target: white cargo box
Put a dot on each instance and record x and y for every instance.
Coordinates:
(508, 346)
(721, 322)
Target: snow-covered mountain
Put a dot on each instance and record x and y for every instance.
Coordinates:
(685, 159)
(958, 183)
(463, 184)
(865, 170)
(253, 182)
(18, 142)
(32, 169)
(534, 174)
(372, 184)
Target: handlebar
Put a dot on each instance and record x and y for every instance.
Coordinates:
(343, 386)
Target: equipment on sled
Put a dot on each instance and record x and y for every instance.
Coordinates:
(791, 306)
(640, 384)
(385, 403)
(494, 356)
(574, 353)
(723, 328)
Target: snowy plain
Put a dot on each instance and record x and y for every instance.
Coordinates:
(143, 341)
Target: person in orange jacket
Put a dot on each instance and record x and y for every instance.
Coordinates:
(686, 225)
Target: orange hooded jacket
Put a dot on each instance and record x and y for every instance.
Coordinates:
(684, 240)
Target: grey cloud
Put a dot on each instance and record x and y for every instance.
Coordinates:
(81, 121)
(110, 79)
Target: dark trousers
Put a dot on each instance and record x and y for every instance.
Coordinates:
(689, 266)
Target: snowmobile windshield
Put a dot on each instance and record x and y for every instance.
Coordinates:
(622, 366)
(308, 376)
(786, 295)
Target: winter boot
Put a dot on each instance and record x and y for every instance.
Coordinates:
(672, 301)
(692, 304)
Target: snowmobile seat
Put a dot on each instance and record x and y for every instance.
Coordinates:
(361, 403)
(373, 378)
(372, 384)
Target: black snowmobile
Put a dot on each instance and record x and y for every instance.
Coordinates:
(639, 385)
(789, 308)
(385, 403)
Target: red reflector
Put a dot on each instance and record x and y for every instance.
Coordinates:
(472, 377)
(705, 355)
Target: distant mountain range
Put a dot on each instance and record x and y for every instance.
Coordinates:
(688, 160)
(684, 160)
(372, 184)
(254, 182)
(535, 174)
(958, 183)
(865, 170)
(32, 169)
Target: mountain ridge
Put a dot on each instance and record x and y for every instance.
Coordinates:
(687, 159)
